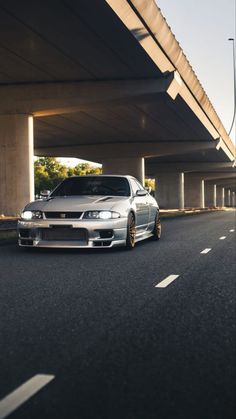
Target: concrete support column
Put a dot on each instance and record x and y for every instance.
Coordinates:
(202, 194)
(215, 196)
(223, 197)
(133, 166)
(170, 190)
(220, 197)
(233, 200)
(16, 163)
(228, 198)
(194, 191)
(210, 195)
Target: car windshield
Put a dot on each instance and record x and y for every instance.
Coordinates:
(93, 185)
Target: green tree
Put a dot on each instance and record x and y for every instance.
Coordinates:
(48, 172)
(150, 183)
(86, 169)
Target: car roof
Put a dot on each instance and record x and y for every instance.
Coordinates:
(94, 175)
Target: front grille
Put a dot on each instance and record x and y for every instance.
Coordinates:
(25, 233)
(62, 215)
(64, 234)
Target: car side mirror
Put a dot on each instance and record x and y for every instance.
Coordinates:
(45, 193)
(141, 192)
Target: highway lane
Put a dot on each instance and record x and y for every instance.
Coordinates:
(117, 345)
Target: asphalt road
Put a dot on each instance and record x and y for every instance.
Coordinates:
(116, 345)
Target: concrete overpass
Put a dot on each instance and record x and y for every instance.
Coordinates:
(105, 80)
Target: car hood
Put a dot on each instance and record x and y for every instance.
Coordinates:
(76, 203)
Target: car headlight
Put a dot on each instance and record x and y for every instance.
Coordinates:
(103, 215)
(31, 215)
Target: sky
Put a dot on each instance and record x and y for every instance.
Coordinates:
(202, 29)
(72, 162)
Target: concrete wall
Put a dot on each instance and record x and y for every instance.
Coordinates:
(194, 191)
(126, 166)
(170, 190)
(210, 195)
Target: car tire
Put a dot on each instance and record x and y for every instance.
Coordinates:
(131, 232)
(157, 228)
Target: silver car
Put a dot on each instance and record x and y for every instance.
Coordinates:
(91, 212)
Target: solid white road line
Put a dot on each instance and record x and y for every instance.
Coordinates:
(205, 251)
(23, 393)
(232, 230)
(222, 238)
(166, 281)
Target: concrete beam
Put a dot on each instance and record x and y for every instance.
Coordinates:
(218, 175)
(185, 167)
(126, 166)
(222, 146)
(223, 181)
(142, 18)
(109, 150)
(43, 99)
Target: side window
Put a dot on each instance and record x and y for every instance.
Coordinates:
(134, 185)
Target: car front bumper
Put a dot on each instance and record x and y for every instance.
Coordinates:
(72, 234)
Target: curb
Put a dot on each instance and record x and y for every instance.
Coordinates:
(164, 215)
(8, 236)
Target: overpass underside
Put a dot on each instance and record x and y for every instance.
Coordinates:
(102, 86)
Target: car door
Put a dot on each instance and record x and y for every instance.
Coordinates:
(152, 211)
(142, 207)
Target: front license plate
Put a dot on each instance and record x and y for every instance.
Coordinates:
(64, 234)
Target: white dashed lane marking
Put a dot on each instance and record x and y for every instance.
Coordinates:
(23, 393)
(205, 251)
(166, 281)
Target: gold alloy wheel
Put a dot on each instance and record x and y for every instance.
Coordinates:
(157, 228)
(131, 232)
